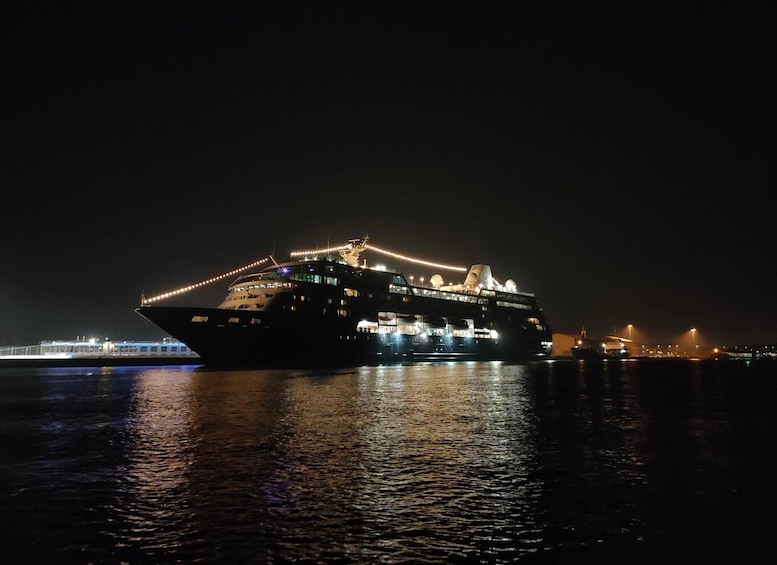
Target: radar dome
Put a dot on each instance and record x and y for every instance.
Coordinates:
(510, 285)
(436, 281)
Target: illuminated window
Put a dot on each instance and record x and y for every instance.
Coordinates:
(199, 319)
(399, 289)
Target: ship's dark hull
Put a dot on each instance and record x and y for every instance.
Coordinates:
(225, 337)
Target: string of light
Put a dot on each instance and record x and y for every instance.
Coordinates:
(203, 283)
(383, 252)
(317, 251)
(416, 261)
(298, 254)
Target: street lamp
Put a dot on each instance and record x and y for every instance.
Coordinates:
(693, 333)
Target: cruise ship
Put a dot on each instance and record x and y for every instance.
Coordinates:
(327, 307)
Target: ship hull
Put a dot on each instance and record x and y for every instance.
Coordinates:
(224, 337)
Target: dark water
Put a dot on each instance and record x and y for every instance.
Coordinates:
(552, 462)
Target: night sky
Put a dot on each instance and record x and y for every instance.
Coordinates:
(618, 162)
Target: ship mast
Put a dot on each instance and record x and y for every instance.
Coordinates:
(355, 248)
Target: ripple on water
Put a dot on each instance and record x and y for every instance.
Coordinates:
(432, 463)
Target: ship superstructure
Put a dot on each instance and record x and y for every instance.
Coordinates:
(326, 307)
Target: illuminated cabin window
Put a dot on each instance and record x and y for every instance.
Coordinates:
(513, 305)
(342, 312)
(332, 280)
(199, 319)
(444, 295)
(262, 285)
(515, 296)
(351, 292)
(397, 289)
(536, 322)
(234, 320)
(305, 277)
(256, 321)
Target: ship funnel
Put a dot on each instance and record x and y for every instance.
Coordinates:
(479, 276)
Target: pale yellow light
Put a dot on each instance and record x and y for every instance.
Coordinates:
(203, 283)
(416, 261)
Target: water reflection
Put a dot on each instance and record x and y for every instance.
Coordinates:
(160, 448)
(417, 460)
(480, 462)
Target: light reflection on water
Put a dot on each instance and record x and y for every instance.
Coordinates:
(472, 462)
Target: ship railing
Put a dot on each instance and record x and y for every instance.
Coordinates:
(20, 350)
(444, 295)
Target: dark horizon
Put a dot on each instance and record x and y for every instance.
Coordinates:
(619, 163)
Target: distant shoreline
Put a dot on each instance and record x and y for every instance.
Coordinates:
(138, 361)
(97, 362)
